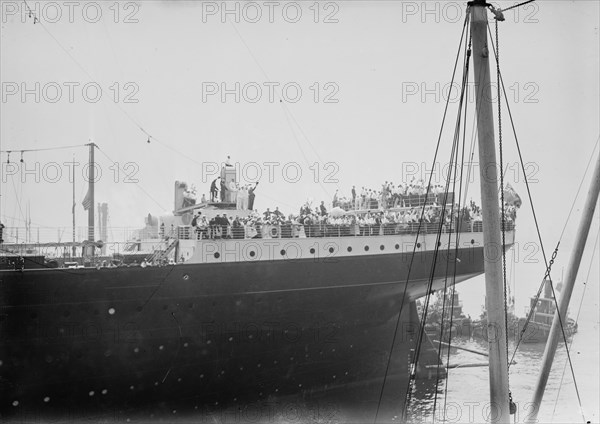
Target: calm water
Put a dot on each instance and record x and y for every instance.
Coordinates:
(468, 388)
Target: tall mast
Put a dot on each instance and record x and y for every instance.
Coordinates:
(574, 261)
(91, 178)
(73, 249)
(492, 243)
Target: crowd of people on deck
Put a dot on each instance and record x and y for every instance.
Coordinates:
(389, 196)
(391, 210)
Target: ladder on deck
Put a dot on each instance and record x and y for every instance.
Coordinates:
(160, 255)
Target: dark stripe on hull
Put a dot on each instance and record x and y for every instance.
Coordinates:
(211, 332)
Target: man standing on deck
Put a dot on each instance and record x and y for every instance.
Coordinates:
(223, 189)
(214, 190)
(195, 219)
(251, 197)
(322, 208)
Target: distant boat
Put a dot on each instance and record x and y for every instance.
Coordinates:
(538, 328)
(446, 310)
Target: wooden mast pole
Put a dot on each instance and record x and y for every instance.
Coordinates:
(574, 261)
(496, 324)
(91, 179)
(73, 248)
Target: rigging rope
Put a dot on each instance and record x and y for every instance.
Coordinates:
(417, 235)
(453, 158)
(137, 184)
(587, 279)
(592, 155)
(548, 267)
(517, 5)
(41, 150)
(430, 282)
(457, 134)
(416, 355)
(287, 112)
(460, 217)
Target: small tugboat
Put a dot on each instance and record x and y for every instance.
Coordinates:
(539, 325)
(447, 311)
(540, 322)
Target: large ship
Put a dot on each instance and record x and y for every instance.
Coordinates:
(219, 320)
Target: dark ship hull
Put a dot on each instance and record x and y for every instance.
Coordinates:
(215, 334)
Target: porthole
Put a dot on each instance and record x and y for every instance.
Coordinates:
(397, 246)
(366, 248)
(312, 250)
(217, 255)
(331, 249)
(282, 252)
(382, 247)
(418, 245)
(349, 248)
(252, 253)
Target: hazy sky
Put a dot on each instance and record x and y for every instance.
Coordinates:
(372, 76)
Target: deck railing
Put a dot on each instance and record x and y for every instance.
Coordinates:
(395, 201)
(324, 230)
(123, 239)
